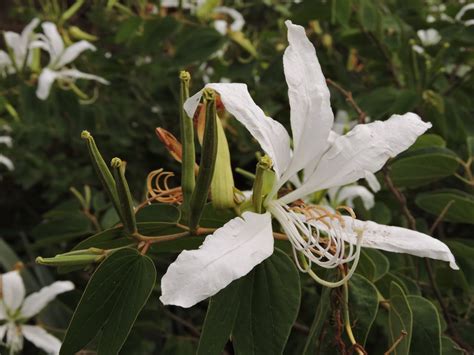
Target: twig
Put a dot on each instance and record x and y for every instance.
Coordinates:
(184, 322)
(349, 100)
(403, 334)
(441, 216)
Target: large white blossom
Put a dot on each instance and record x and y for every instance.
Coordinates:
(60, 57)
(322, 238)
(16, 310)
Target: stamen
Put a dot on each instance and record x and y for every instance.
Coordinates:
(318, 235)
(159, 190)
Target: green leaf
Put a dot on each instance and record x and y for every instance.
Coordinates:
(428, 140)
(470, 146)
(422, 166)
(373, 264)
(215, 218)
(368, 15)
(426, 337)
(159, 212)
(400, 319)
(363, 306)
(114, 296)
(320, 318)
(449, 347)
(128, 29)
(197, 45)
(343, 9)
(63, 226)
(460, 211)
(269, 304)
(220, 317)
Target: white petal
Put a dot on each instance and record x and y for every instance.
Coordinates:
(13, 290)
(221, 26)
(399, 240)
(6, 140)
(3, 329)
(14, 338)
(364, 149)
(372, 181)
(56, 44)
(3, 313)
(72, 52)
(271, 135)
(76, 74)
(238, 21)
(228, 254)
(13, 40)
(35, 302)
(41, 339)
(349, 193)
(45, 81)
(311, 113)
(28, 30)
(7, 162)
(463, 10)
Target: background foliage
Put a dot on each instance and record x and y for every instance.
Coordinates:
(365, 46)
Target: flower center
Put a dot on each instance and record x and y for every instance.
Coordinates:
(319, 235)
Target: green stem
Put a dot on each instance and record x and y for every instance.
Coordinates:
(124, 196)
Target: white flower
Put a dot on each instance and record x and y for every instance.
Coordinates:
(222, 26)
(418, 49)
(346, 195)
(242, 243)
(18, 45)
(462, 12)
(429, 37)
(16, 310)
(60, 56)
(7, 162)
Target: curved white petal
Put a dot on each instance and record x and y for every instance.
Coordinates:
(45, 81)
(41, 339)
(13, 290)
(72, 52)
(311, 113)
(13, 41)
(6, 140)
(372, 181)
(398, 240)
(228, 254)
(347, 194)
(271, 135)
(364, 149)
(76, 74)
(7, 162)
(3, 313)
(55, 41)
(35, 302)
(3, 330)
(238, 21)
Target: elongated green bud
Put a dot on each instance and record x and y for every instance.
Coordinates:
(71, 10)
(77, 33)
(74, 258)
(188, 149)
(208, 160)
(124, 195)
(263, 183)
(102, 170)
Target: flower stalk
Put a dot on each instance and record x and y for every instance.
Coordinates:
(263, 183)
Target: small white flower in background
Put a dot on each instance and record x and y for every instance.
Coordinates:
(418, 49)
(18, 47)
(223, 26)
(7, 162)
(459, 70)
(16, 310)
(233, 250)
(462, 12)
(60, 56)
(429, 37)
(7, 141)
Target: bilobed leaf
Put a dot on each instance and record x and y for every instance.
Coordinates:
(426, 338)
(460, 211)
(111, 302)
(363, 306)
(220, 317)
(400, 319)
(422, 166)
(269, 304)
(373, 264)
(449, 347)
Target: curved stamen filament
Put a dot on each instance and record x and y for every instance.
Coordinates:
(159, 190)
(318, 235)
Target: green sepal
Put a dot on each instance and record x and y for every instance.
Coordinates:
(74, 258)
